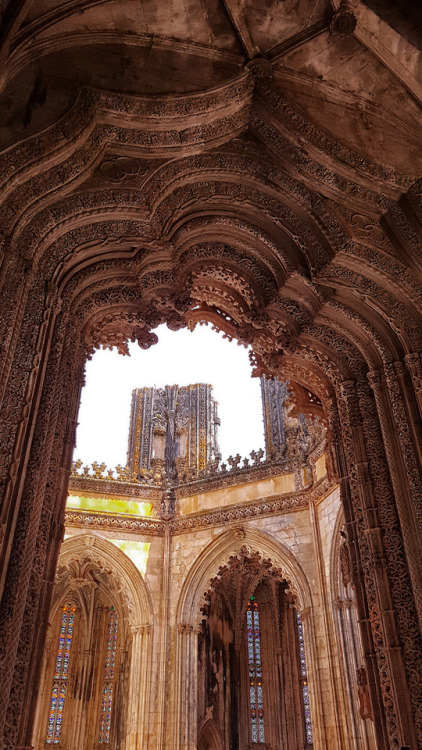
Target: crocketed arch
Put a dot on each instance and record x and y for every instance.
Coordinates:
(218, 552)
(101, 582)
(100, 550)
(189, 616)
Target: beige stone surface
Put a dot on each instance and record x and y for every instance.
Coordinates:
(237, 494)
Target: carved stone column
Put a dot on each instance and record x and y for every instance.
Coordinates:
(408, 507)
(314, 677)
(355, 533)
(40, 495)
(22, 384)
(397, 387)
(186, 692)
(328, 624)
(382, 555)
(16, 279)
(413, 363)
(139, 680)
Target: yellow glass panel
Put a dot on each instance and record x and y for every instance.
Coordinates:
(112, 505)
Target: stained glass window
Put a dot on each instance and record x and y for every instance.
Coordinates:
(256, 702)
(61, 674)
(108, 684)
(304, 681)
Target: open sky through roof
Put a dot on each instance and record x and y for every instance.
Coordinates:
(182, 358)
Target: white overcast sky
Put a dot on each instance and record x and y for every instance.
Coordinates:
(179, 358)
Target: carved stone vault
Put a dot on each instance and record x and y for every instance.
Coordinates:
(252, 165)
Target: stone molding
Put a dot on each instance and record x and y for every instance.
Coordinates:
(272, 505)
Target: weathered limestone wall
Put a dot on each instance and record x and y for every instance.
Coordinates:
(280, 485)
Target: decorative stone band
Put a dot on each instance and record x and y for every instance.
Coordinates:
(107, 487)
(214, 478)
(99, 521)
(223, 516)
(237, 475)
(266, 506)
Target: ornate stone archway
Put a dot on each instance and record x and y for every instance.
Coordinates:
(92, 568)
(236, 205)
(189, 615)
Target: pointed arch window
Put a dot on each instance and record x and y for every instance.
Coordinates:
(304, 681)
(256, 701)
(108, 681)
(61, 675)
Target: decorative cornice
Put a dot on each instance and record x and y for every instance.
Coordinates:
(114, 487)
(102, 521)
(216, 478)
(266, 506)
(242, 475)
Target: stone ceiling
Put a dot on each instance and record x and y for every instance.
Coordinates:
(224, 160)
(357, 87)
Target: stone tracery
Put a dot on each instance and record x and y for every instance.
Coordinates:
(237, 209)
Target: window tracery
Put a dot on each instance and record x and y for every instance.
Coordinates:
(82, 698)
(109, 675)
(304, 681)
(61, 674)
(253, 687)
(256, 700)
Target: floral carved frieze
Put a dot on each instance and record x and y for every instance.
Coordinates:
(87, 520)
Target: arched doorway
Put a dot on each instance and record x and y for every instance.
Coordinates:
(252, 674)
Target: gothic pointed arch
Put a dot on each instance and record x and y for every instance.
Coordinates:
(252, 667)
(229, 546)
(91, 661)
(244, 178)
(129, 582)
(208, 738)
(218, 552)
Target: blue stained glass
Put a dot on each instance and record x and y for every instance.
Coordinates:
(58, 691)
(108, 685)
(305, 690)
(256, 699)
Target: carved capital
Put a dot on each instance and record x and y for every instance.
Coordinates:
(413, 361)
(304, 613)
(414, 365)
(398, 368)
(348, 389)
(141, 629)
(374, 379)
